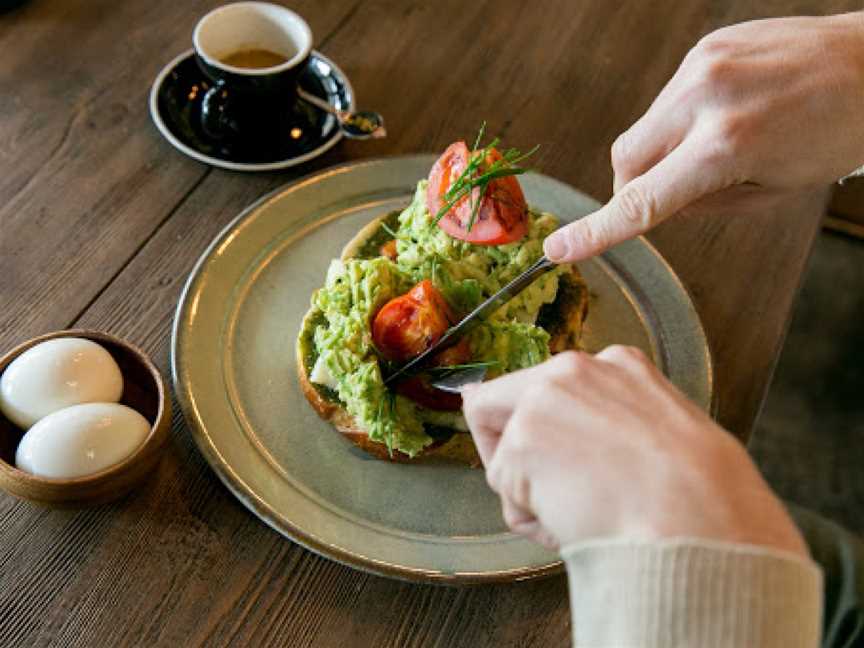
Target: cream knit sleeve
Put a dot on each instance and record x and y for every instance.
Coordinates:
(692, 592)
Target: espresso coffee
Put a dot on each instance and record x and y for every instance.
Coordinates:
(254, 58)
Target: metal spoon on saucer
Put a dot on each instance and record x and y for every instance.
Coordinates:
(361, 124)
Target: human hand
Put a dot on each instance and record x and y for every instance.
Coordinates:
(588, 446)
(755, 112)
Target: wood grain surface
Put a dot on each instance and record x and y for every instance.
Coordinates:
(101, 221)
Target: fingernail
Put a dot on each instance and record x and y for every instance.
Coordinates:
(555, 247)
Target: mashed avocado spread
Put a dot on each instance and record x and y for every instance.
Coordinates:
(466, 274)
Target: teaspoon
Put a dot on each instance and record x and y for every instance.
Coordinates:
(361, 124)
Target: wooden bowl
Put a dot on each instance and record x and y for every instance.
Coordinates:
(144, 390)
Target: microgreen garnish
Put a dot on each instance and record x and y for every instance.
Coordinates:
(475, 177)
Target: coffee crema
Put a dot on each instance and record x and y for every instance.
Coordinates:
(254, 58)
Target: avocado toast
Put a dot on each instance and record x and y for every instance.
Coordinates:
(407, 276)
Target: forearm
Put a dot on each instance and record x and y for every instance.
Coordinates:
(692, 592)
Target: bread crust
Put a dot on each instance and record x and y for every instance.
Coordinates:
(459, 447)
(352, 247)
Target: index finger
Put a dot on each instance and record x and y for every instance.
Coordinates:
(688, 173)
(488, 407)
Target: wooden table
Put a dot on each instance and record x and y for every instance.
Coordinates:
(101, 221)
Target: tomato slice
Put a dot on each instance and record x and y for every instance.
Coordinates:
(502, 216)
(409, 324)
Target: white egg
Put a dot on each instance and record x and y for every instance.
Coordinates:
(81, 440)
(55, 374)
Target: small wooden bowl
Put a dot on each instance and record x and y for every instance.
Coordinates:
(144, 390)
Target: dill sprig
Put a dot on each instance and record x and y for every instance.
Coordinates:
(387, 229)
(480, 134)
(433, 271)
(389, 431)
(391, 438)
(475, 177)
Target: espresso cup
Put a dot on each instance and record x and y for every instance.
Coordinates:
(249, 107)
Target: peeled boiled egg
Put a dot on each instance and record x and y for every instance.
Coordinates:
(81, 440)
(55, 374)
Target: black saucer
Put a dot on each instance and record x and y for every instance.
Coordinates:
(175, 106)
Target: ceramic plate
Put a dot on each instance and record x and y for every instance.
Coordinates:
(234, 376)
(175, 107)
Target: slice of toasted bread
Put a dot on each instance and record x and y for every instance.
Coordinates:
(563, 319)
(458, 447)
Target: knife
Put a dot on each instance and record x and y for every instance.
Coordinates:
(454, 333)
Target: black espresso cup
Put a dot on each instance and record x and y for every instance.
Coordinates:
(254, 53)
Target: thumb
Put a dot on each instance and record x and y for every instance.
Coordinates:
(670, 185)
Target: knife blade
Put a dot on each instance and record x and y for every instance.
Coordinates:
(453, 382)
(454, 333)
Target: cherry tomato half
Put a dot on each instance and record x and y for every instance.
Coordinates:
(502, 216)
(409, 324)
(420, 390)
(458, 354)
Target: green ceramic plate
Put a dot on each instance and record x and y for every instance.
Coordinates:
(234, 376)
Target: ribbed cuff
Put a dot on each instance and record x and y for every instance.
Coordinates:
(692, 592)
